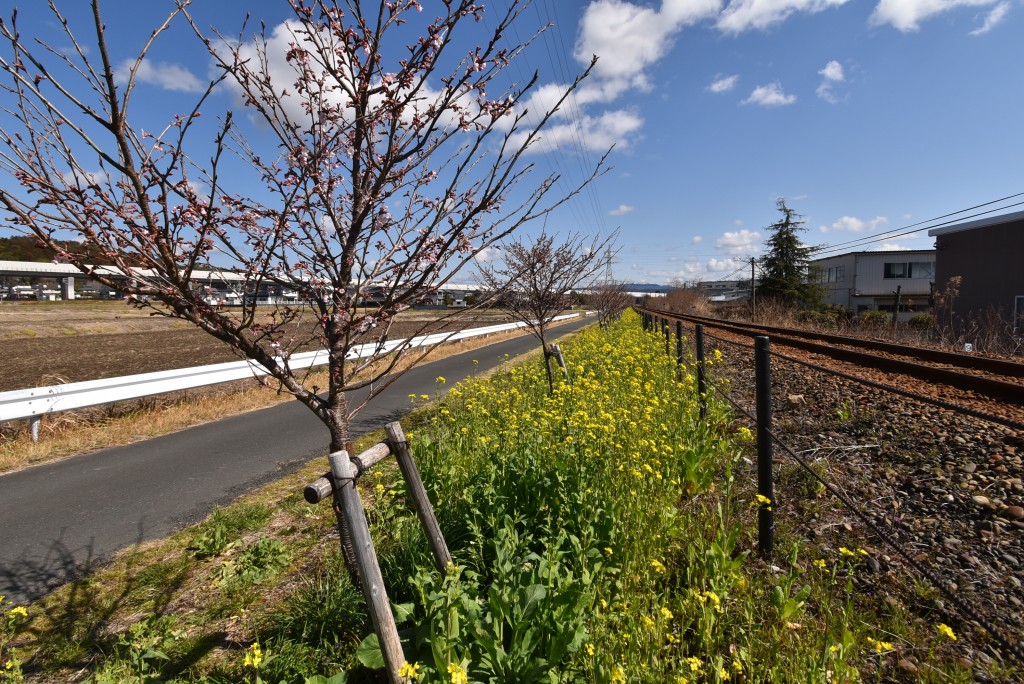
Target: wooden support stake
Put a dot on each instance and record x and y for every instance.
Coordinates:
(557, 351)
(418, 494)
(348, 504)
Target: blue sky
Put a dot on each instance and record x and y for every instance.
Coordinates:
(865, 116)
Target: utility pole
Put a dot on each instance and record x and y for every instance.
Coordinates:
(753, 294)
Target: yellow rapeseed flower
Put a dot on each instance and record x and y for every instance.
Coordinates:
(618, 676)
(666, 613)
(18, 611)
(658, 567)
(440, 380)
(411, 671)
(820, 564)
(946, 631)
(458, 675)
(846, 552)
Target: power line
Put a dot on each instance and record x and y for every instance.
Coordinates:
(896, 232)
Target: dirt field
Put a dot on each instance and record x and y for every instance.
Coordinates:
(46, 343)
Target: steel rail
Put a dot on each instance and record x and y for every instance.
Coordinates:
(1001, 390)
(978, 362)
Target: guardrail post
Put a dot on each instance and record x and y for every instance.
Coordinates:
(702, 390)
(418, 494)
(348, 504)
(765, 512)
(33, 425)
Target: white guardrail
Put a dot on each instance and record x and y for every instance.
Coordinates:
(37, 401)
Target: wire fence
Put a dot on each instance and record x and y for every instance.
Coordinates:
(1008, 647)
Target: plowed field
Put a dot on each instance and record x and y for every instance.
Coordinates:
(54, 342)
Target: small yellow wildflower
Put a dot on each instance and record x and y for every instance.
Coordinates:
(379, 489)
(458, 674)
(618, 676)
(658, 567)
(764, 501)
(724, 675)
(440, 380)
(648, 622)
(738, 666)
(18, 611)
(846, 552)
(879, 646)
(407, 670)
(253, 657)
(590, 649)
(695, 665)
(666, 613)
(608, 551)
(946, 631)
(820, 564)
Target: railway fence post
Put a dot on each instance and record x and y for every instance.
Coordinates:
(701, 379)
(679, 344)
(668, 336)
(765, 489)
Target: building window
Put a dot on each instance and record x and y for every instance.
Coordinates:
(922, 270)
(836, 274)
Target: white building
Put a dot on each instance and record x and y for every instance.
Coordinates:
(868, 281)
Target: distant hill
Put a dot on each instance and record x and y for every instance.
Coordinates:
(650, 288)
(22, 248)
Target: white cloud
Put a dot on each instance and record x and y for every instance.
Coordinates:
(723, 84)
(833, 71)
(488, 254)
(595, 133)
(697, 239)
(739, 242)
(622, 210)
(770, 95)
(166, 75)
(629, 38)
(993, 19)
(743, 15)
(906, 15)
(890, 247)
(831, 74)
(722, 266)
(855, 225)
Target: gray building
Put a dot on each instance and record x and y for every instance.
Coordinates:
(988, 257)
(868, 281)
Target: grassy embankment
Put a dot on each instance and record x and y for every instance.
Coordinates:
(600, 535)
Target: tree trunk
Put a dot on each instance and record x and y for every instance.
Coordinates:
(342, 440)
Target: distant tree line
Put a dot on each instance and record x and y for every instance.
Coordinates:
(24, 248)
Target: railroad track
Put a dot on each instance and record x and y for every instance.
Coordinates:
(985, 387)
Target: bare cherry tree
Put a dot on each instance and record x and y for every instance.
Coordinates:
(376, 179)
(362, 176)
(534, 278)
(609, 299)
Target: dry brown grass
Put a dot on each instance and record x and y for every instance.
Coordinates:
(80, 432)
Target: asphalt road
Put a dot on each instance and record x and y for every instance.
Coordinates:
(56, 519)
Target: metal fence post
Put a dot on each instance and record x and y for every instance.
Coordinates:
(765, 512)
(702, 390)
(668, 336)
(679, 343)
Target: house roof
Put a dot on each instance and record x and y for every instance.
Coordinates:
(980, 223)
(879, 252)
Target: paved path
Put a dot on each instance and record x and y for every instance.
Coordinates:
(57, 517)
